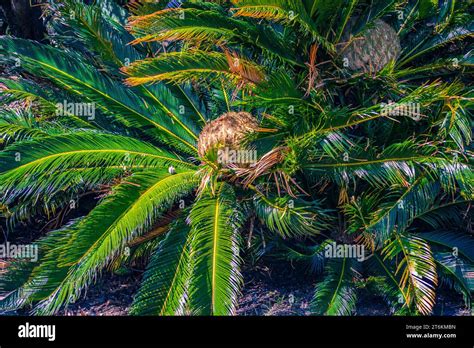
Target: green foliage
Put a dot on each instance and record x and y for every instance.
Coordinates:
(215, 221)
(336, 294)
(340, 157)
(416, 269)
(290, 217)
(165, 282)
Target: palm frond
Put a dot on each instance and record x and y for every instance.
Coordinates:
(71, 72)
(456, 242)
(97, 30)
(437, 42)
(132, 208)
(336, 294)
(291, 217)
(397, 164)
(17, 125)
(446, 214)
(455, 273)
(201, 25)
(216, 277)
(24, 162)
(167, 277)
(397, 215)
(456, 123)
(417, 270)
(33, 198)
(180, 67)
(283, 11)
(387, 284)
(312, 257)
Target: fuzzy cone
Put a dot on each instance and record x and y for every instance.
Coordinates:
(371, 51)
(228, 130)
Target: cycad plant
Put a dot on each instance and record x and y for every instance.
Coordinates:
(358, 113)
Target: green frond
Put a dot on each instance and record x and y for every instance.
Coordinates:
(12, 133)
(70, 72)
(456, 123)
(166, 279)
(396, 214)
(371, 13)
(25, 282)
(446, 214)
(53, 154)
(330, 17)
(416, 268)
(455, 273)
(436, 42)
(197, 25)
(388, 285)
(216, 277)
(31, 198)
(457, 65)
(397, 164)
(461, 243)
(180, 67)
(336, 294)
(24, 123)
(345, 14)
(183, 111)
(108, 38)
(283, 11)
(45, 103)
(381, 217)
(142, 8)
(99, 32)
(132, 209)
(19, 124)
(424, 95)
(312, 257)
(291, 217)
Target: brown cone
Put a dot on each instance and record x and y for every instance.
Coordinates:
(228, 130)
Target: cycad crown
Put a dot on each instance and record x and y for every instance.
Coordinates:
(228, 130)
(333, 165)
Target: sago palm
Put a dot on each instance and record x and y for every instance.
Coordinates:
(294, 81)
(160, 197)
(366, 104)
